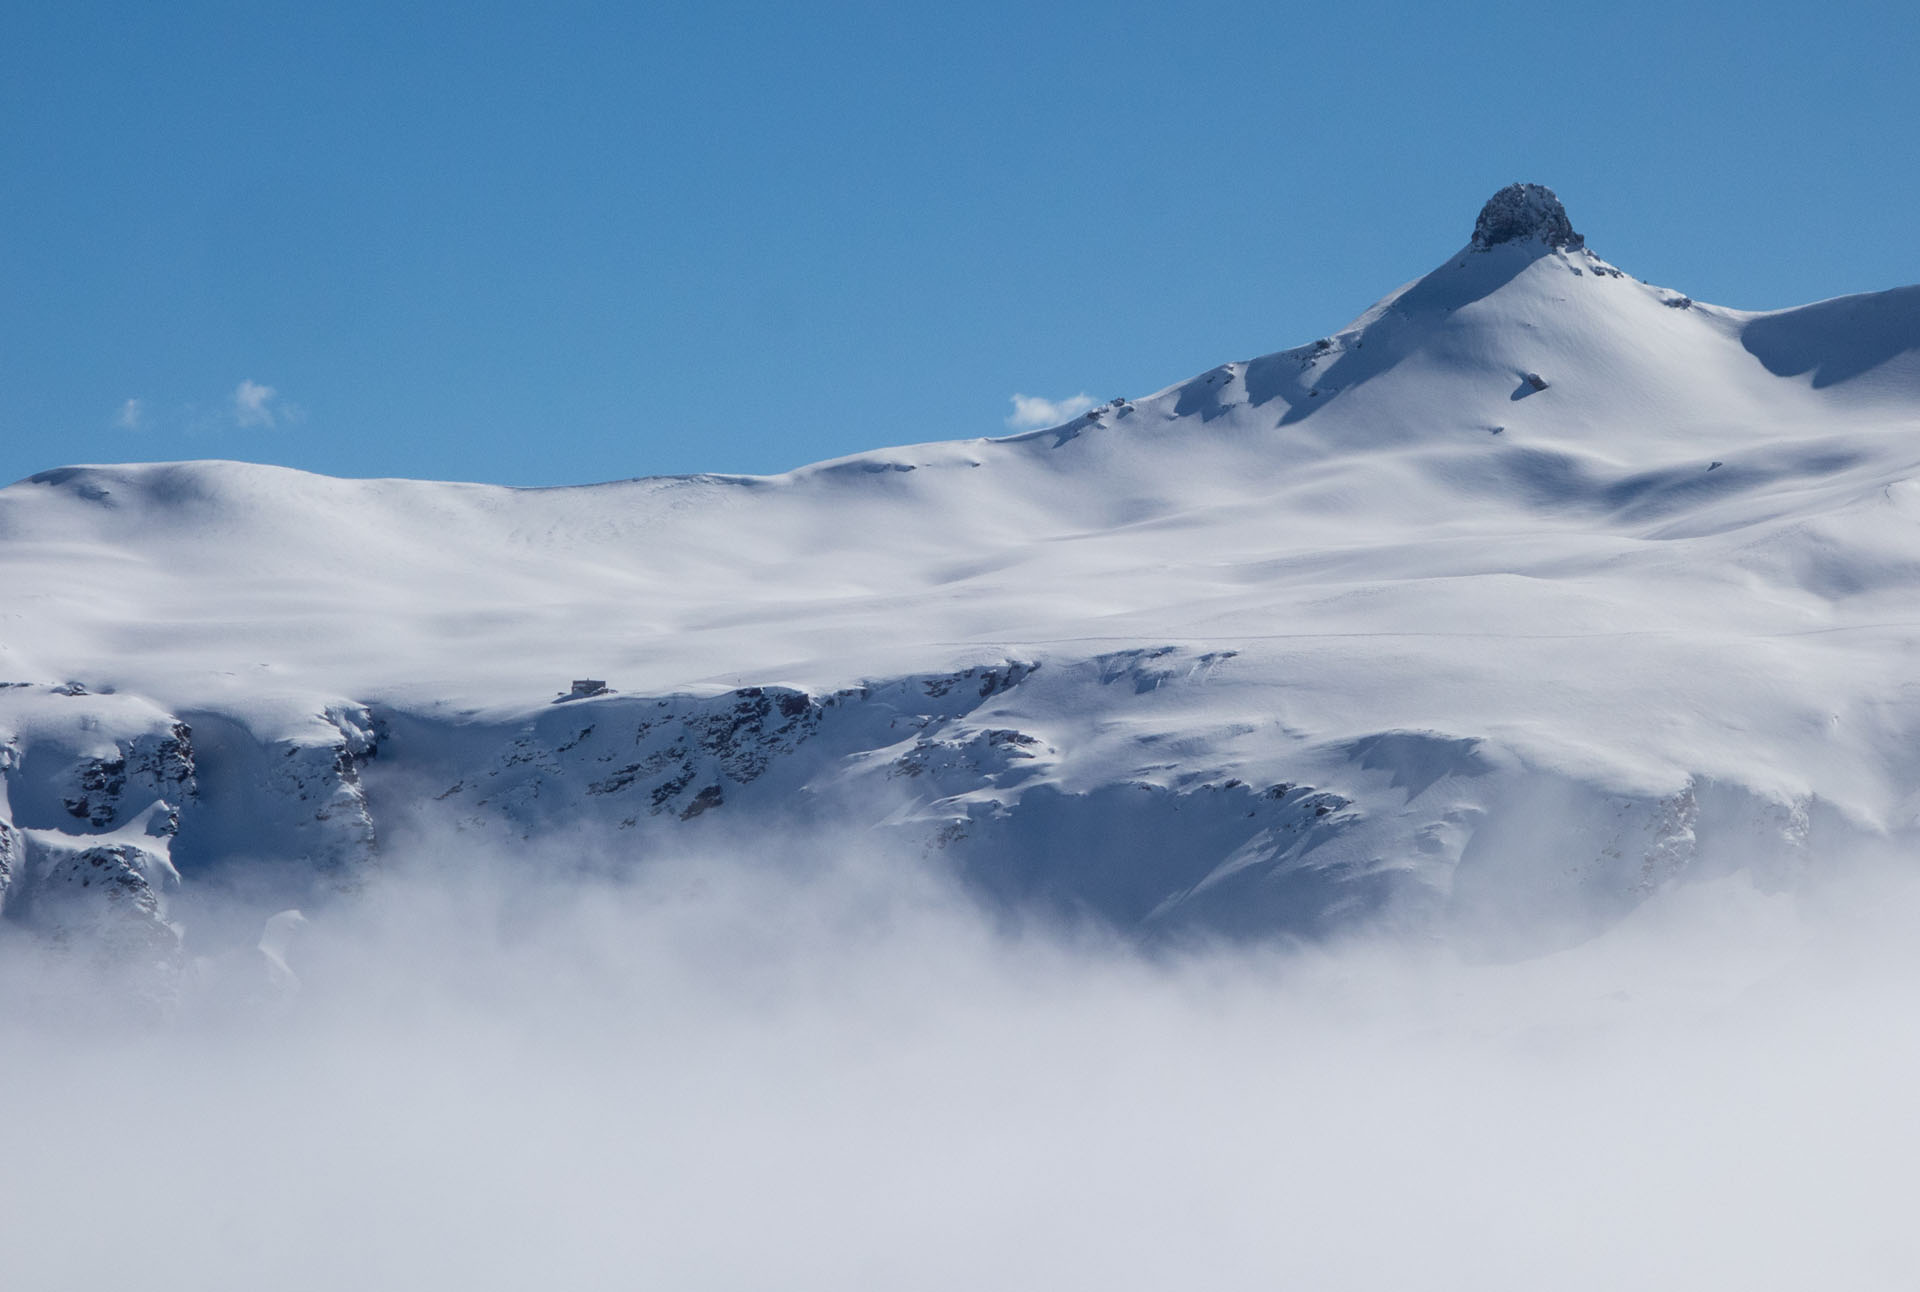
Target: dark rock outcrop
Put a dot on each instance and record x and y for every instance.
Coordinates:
(106, 792)
(10, 850)
(1520, 212)
(106, 896)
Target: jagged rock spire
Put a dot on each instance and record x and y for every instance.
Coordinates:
(1521, 211)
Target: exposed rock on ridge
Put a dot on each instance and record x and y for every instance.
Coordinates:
(1522, 211)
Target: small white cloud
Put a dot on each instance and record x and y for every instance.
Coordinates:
(253, 405)
(132, 415)
(1031, 412)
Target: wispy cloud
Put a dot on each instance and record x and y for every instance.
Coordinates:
(132, 415)
(253, 405)
(1031, 412)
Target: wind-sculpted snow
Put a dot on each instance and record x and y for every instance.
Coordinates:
(1840, 340)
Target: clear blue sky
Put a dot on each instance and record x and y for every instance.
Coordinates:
(552, 243)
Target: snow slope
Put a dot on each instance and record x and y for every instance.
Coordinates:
(1533, 590)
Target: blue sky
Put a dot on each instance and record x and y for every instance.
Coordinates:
(554, 243)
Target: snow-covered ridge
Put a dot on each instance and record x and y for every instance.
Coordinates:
(1532, 590)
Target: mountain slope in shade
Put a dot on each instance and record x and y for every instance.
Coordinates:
(1534, 590)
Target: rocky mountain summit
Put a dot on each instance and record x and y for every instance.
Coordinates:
(1520, 212)
(1530, 593)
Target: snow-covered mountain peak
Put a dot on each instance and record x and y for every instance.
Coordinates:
(1520, 212)
(1527, 591)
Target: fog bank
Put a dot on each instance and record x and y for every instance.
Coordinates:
(747, 1072)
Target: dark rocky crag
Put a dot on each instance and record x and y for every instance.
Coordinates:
(1520, 212)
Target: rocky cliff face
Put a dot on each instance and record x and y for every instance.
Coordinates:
(10, 861)
(311, 785)
(989, 772)
(152, 766)
(992, 771)
(95, 791)
(108, 896)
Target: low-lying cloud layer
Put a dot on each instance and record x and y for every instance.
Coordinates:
(724, 1072)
